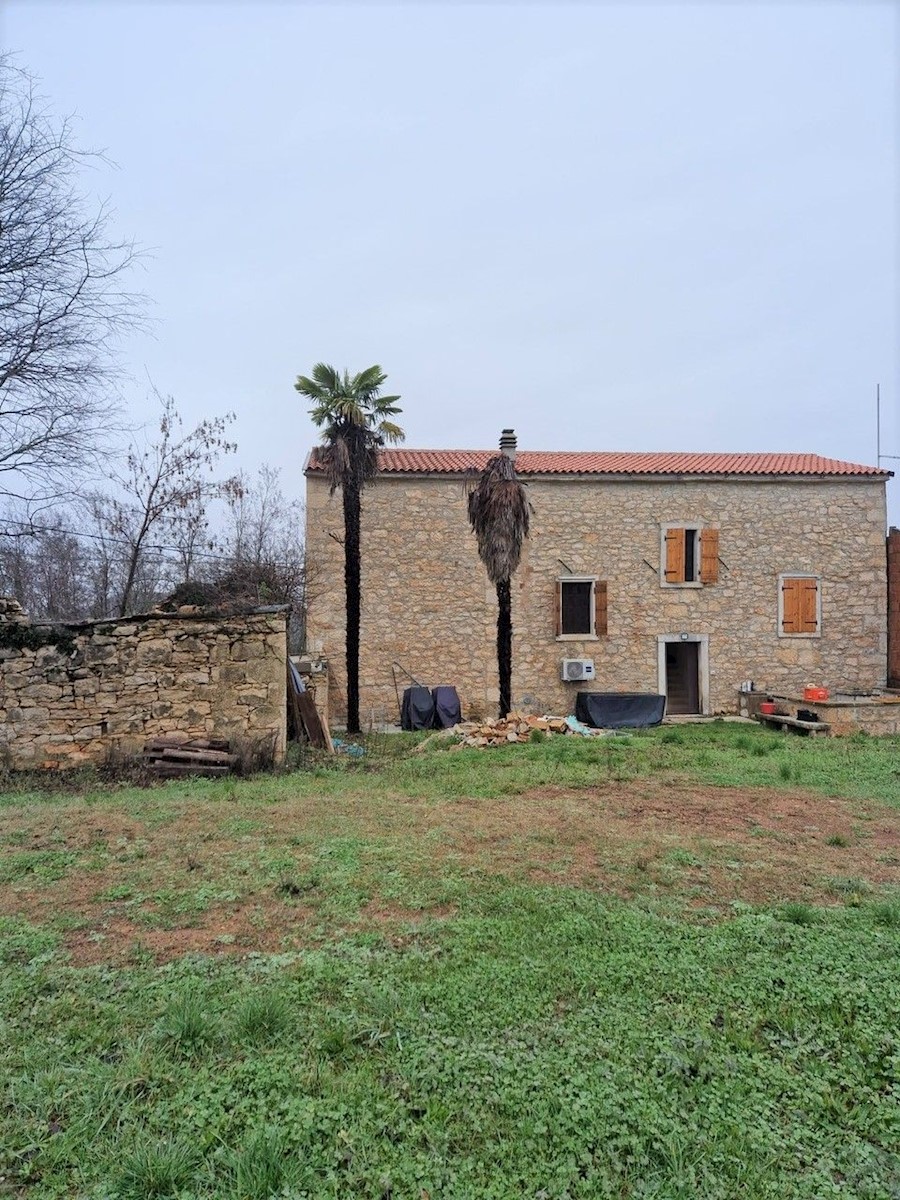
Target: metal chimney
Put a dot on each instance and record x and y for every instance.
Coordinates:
(508, 443)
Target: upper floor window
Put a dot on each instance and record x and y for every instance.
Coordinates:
(799, 606)
(690, 555)
(580, 607)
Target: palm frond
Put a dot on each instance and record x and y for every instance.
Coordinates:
(352, 416)
(389, 432)
(499, 514)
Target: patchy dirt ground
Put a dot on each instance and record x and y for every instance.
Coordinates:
(216, 877)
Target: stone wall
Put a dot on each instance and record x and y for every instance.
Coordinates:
(108, 685)
(427, 602)
(893, 569)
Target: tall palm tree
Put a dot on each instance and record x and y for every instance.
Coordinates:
(354, 419)
(499, 515)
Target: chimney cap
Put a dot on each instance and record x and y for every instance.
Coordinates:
(508, 443)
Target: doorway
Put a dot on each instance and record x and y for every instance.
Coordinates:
(684, 673)
(682, 677)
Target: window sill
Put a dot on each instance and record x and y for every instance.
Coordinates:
(577, 637)
(804, 636)
(677, 586)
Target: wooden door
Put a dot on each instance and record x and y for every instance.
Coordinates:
(682, 677)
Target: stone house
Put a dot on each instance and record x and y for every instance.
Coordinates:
(683, 574)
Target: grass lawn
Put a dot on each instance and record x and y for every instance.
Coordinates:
(659, 965)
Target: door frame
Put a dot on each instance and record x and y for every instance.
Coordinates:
(662, 640)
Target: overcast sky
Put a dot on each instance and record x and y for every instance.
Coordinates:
(637, 227)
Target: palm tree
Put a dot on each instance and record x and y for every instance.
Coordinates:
(499, 515)
(354, 419)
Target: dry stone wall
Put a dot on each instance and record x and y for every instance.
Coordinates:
(427, 602)
(107, 686)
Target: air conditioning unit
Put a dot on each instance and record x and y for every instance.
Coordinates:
(576, 669)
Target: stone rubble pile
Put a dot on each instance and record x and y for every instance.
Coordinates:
(517, 727)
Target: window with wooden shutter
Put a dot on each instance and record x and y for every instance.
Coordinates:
(690, 555)
(709, 556)
(581, 607)
(799, 605)
(674, 556)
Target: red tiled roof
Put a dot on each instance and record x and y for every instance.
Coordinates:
(588, 462)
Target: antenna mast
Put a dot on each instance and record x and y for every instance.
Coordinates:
(893, 457)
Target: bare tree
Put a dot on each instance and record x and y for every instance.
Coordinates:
(49, 571)
(62, 300)
(264, 560)
(166, 482)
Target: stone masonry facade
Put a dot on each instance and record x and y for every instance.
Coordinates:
(109, 685)
(427, 603)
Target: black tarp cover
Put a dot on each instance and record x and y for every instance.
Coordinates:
(619, 710)
(417, 709)
(447, 712)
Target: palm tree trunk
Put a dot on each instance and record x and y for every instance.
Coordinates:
(504, 644)
(352, 593)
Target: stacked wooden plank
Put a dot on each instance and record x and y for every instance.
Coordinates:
(173, 755)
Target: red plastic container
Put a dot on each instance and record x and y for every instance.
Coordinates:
(767, 708)
(815, 693)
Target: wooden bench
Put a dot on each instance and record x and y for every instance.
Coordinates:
(781, 721)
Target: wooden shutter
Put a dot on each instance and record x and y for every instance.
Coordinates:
(790, 606)
(600, 607)
(674, 556)
(558, 607)
(800, 605)
(809, 605)
(709, 556)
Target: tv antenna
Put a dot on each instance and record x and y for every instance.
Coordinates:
(894, 457)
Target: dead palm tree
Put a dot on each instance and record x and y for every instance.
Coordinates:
(354, 419)
(499, 515)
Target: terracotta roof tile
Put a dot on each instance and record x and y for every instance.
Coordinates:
(586, 462)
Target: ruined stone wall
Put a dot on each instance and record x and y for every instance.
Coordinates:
(115, 683)
(893, 569)
(427, 602)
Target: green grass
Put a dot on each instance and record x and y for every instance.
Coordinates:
(515, 1039)
(722, 753)
(548, 1040)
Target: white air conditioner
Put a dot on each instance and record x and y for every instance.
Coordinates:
(575, 669)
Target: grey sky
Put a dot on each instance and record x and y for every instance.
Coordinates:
(613, 227)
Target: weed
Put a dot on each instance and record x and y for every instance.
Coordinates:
(297, 885)
(261, 1017)
(785, 772)
(850, 890)
(187, 1024)
(154, 1170)
(887, 914)
(537, 736)
(798, 914)
(672, 737)
(263, 1167)
(837, 839)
